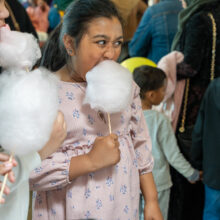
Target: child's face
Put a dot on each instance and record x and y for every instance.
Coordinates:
(102, 41)
(157, 96)
(3, 13)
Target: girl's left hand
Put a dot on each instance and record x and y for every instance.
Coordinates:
(152, 211)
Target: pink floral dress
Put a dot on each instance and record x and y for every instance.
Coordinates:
(111, 193)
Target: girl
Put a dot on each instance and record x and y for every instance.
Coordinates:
(89, 176)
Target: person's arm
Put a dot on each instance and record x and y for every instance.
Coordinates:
(141, 41)
(148, 189)
(105, 152)
(58, 170)
(168, 143)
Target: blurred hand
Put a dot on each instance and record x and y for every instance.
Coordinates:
(57, 137)
(105, 152)
(6, 167)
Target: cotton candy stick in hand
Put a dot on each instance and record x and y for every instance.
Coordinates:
(5, 179)
(109, 87)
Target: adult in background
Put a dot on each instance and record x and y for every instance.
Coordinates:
(154, 35)
(195, 40)
(18, 19)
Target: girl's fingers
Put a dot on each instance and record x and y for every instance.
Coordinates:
(5, 167)
(2, 200)
(6, 189)
(4, 157)
(11, 177)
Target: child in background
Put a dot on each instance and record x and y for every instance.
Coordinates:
(205, 149)
(152, 82)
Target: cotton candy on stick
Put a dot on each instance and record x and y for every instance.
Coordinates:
(18, 49)
(28, 100)
(109, 88)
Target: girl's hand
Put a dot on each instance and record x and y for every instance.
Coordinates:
(105, 152)
(57, 137)
(152, 211)
(6, 167)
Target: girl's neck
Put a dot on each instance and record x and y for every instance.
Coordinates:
(146, 105)
(68, 75)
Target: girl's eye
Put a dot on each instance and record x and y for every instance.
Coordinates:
(101, 42)
(118, 43)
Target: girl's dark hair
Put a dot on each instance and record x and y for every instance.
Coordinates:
(75, 23)
(148, 78)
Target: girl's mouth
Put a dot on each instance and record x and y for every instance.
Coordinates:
(5, 25)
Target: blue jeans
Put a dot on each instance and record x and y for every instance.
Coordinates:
(212, 204)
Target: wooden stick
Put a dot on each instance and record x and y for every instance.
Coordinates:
(5, 179)
(109, 124)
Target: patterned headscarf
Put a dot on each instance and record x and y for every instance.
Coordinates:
(184, 15)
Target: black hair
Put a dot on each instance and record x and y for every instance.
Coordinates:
(148, 78)
(75, 23)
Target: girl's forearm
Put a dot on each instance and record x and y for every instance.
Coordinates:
(148, 187)
(80, 165)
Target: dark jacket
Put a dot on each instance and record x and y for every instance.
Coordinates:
(206, 136)
(196, 45)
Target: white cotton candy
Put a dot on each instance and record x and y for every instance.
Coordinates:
(20, 50)
(28, 108)
(109, 87)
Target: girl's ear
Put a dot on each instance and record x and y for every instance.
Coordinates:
(68, 42)
(150, 95)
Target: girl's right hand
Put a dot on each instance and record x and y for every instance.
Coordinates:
(105, 152)
(57, 137)
(6, 167)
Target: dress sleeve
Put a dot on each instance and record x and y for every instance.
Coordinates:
(52, 174)
(140, 136)
(168, 144)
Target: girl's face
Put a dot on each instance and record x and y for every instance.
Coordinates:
(102, 41)
(3, 13)
(184, 3)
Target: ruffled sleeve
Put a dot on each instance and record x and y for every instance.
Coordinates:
(52, 174)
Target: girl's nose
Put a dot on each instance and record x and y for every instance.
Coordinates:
(4, 13)
(109, 53)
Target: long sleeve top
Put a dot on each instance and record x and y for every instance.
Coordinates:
(110, 193)
(165, 151)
